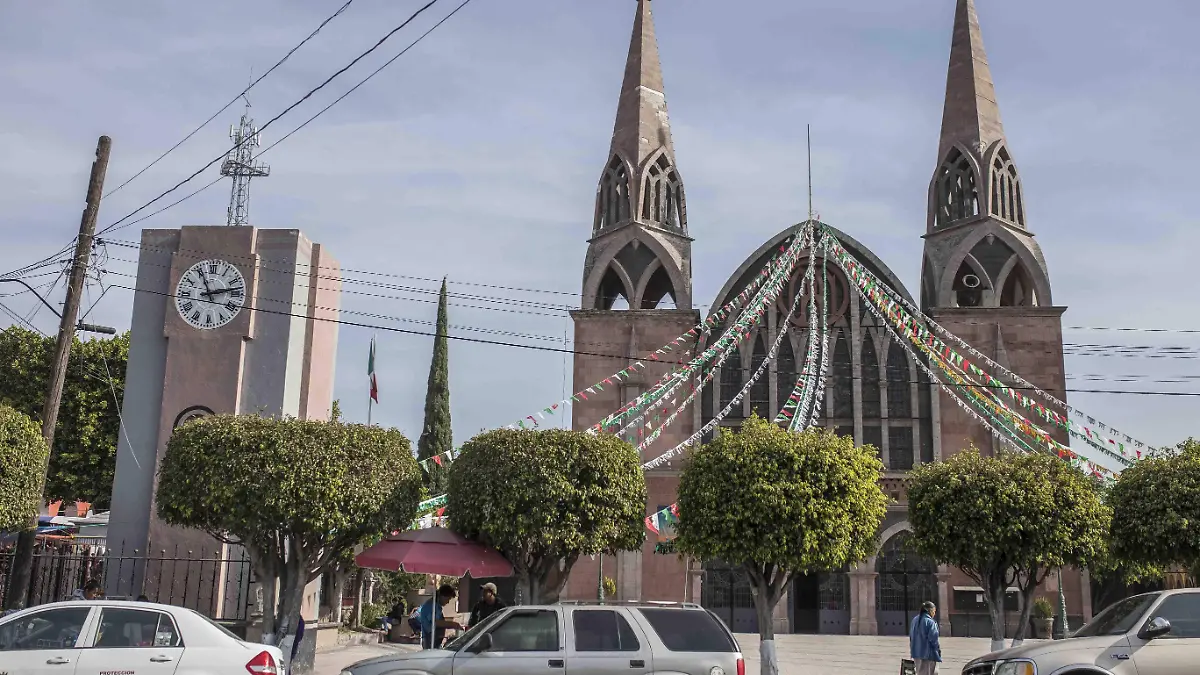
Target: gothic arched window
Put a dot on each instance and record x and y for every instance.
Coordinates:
(785, 370)
(1006, 190)
(870, 378)
(731, 380)
(612, 200)
(899, 387)
(760, 391)
(842, 380)
(957, 189)
(662, 196)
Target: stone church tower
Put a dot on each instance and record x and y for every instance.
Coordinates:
(637, 296)
(983, 275)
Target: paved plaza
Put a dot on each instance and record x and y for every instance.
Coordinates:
(798, 654)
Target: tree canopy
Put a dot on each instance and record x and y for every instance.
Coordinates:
(541, 497)
(22, 463)
(84, 456)
(779, 503)
(1156, 510)
(1005, 520)
(437, 435)
(307, 489)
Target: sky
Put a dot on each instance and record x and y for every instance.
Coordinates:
(476, 155)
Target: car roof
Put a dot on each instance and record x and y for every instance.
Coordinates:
(642, 604)
(173, 610)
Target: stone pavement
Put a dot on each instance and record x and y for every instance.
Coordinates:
(798, 654)
(854, 654)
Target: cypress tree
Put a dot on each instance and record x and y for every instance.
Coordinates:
(436, 435)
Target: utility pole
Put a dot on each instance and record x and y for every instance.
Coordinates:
(22, 566)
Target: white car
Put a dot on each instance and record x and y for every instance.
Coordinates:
(85, 637)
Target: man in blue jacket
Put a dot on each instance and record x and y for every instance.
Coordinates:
(923, 644)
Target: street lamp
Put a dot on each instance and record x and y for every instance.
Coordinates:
(86, 327)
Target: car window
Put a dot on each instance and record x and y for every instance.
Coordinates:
(603, 630)
(463, 638)
(689, 630)
(1183, 611)
(49, 629)
(535, 631)
(123, 628)
(1118, 618)
(214, 624)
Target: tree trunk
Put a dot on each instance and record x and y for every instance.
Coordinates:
(292, 597)
(994, 593)
(766, 586)
(356, 613)
(1027, 589)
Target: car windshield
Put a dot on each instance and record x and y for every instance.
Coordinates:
(463, 638)
(1118, 618)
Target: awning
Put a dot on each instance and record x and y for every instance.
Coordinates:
(434, 550)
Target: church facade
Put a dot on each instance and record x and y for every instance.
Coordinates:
(983, 277)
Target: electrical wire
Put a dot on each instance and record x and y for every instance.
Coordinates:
(233, 100)
(556, 350)
(285, 111)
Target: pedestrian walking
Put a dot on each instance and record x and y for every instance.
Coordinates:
(923, 644)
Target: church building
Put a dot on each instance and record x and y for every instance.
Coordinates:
(983, 277)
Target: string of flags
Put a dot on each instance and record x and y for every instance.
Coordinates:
(719, 350)
(662, 519)
(758, 373)
(728, 340)
(532, 421)
(440, 459)
(890, 314)
(1119, 438)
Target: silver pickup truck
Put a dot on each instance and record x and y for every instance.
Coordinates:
(579, 639)
(1148, 634)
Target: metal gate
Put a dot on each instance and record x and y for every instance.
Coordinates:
(726, 591)
(905, 581)
(821, 603)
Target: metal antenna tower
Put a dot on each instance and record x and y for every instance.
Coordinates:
(240, 165)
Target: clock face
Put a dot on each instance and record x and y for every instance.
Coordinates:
(210, 294)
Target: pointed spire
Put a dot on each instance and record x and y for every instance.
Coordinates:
(971, 116)
(642, 126)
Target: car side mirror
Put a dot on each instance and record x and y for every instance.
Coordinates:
(1155, 628)
(483, 644)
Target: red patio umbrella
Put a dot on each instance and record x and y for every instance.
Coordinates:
(434, 550)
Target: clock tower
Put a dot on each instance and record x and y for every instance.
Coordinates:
(234, 320)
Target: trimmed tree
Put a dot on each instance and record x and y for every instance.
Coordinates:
(778, 504)
(84, 456)
(23, 455)
(544, 498)
(297, 494)
(1156, 508)
(1007, 520)
(437, 435)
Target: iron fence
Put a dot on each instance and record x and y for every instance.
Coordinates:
(216, 584)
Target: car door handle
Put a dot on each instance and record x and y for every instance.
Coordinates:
(637, 663)
(557, 663)
(161, 658)
(58, 661)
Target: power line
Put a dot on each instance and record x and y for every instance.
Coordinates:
(288, 109)
(233, 100)
(556, 350)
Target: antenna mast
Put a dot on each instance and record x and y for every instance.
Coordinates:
(241, 166)
(808, 134)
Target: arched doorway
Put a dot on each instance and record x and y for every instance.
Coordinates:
(726, 591)
(905, 581)
(821, 603)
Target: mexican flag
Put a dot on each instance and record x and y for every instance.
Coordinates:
(371, 373)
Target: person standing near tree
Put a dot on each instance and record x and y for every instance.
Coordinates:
(923, 644)
(487, 605)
